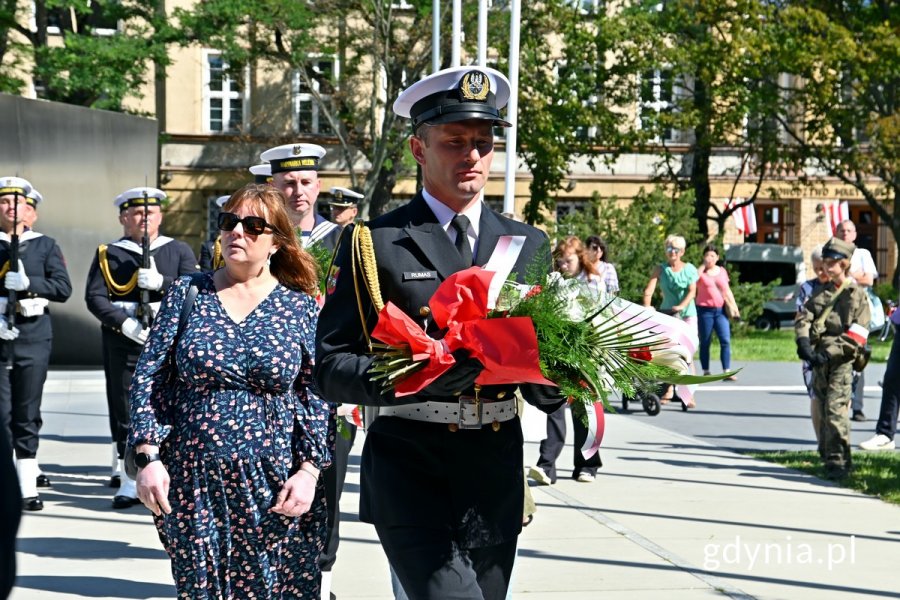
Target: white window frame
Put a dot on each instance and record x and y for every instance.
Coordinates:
(297, 97)
(228, 127)
(658, 105)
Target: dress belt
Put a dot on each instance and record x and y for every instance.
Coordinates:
(451, 412)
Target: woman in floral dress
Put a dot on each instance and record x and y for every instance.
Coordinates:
(229, 433)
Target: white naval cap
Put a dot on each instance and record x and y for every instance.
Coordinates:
(140, 196)
(293, 157)
(14, 185)
(34, 197)
(455, 94)
(262, 173)
(341, 196)
(221, 200)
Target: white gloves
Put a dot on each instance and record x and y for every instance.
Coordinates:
(149, 279)
(17, 281)
(7, 334)
(132, 329)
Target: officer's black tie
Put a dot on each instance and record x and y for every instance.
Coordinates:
(461, 224)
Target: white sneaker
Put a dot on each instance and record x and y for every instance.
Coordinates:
(539, 475)
(585, 477)
(879, 442)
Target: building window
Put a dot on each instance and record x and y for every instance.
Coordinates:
(223, 101)
(772, 225)
(658, 93)
(309, 118)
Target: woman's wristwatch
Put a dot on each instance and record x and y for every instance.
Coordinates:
(142, 459)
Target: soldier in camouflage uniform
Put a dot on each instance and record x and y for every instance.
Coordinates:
(831, 331)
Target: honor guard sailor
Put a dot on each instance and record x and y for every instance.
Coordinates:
(211, 251)
(34, 274)
(125, 283)
(262, 173)
(295, 171)
(446, 500)
(344, 205)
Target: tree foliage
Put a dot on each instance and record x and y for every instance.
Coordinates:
(842, 117)
(103, 53)
(380, 49)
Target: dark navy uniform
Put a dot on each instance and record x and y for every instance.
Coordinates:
(48, 281)
(324, 232)
(211, 256)
(112, 295)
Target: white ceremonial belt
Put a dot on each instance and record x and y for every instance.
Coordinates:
(130, 308)
(468, 413)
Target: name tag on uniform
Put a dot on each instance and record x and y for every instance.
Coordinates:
(419, 275)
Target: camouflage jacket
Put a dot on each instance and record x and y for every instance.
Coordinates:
(845, 329)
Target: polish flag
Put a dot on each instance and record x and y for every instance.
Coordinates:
(835, 212)
(744, 217)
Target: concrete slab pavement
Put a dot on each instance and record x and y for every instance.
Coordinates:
(669, 516)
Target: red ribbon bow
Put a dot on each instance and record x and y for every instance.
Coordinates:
(507, 347)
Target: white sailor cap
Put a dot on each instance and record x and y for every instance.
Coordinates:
(455, 94)
(262, 173)
(221, 200)
(34, 197)
(344, 197)
(293, 157)
(14, 185)
(140, 196)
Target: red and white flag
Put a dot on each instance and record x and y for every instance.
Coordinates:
(835, 212)
(744, 217)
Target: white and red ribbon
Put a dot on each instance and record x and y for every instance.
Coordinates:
(596, 426)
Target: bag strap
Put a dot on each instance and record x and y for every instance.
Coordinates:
(832, 302)
(188, 304)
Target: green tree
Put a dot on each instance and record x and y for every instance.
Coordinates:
(842, 115)
(108, 49)
(563, 95)
(380, 48)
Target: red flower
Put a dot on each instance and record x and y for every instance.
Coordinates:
(640, 354)
(533, 292)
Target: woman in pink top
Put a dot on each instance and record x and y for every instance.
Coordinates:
(713, 293)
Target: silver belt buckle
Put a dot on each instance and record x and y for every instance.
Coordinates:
(470, 411)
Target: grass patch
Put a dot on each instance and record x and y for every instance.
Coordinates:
(874, 473)
(779, 346)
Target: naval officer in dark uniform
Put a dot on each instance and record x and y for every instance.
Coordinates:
(344, 205)
(38, 278)
(113, 295)
(445, 496)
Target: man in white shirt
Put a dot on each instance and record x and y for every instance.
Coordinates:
(864, 271)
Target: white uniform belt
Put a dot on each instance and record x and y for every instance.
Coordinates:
(463, 413)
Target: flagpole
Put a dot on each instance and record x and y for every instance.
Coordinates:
(512, 112)
(435, 36)
(457, 33)
(482, 32)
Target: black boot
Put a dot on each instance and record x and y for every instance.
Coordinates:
(43, 481)
(32, 504)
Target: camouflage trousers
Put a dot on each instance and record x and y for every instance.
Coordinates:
(832, 387)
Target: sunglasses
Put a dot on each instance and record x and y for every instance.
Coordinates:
(252, 225)
(673, 249)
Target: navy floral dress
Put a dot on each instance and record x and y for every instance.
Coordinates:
(232, 407)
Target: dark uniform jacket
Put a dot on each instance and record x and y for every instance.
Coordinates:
(210, 258)
(324, 232)
(416, 473)
(48, 279)
(173, 259)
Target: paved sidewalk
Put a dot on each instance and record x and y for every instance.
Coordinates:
(668, 517)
